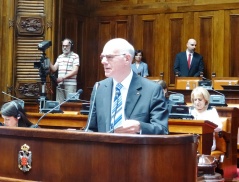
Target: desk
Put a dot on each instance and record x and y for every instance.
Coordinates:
(68, 106)
(60, 121)
(203, 128)
(78, 156)
(73, 121)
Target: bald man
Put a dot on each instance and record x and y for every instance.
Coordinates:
(189, 63)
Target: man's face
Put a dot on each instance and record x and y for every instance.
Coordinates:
(66, 47)
(113, 64)
(191, 45)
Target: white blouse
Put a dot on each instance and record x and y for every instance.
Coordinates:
(210, 115)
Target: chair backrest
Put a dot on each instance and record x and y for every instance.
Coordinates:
(181, 82)
(220, 142)
(217, 82)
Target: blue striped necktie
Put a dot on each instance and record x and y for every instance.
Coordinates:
(116, 111)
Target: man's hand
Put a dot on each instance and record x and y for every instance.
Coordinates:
(129, 126)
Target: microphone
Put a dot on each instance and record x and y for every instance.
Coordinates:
(116, 107)
(21, 102)
(177, 98)
(171, 92)
(217, 100)
(205, 83)
(36, 125)
(97, 84)
(218, 92)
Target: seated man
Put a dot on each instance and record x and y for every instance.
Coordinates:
(165, 90)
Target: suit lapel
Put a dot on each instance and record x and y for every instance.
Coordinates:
(186, 60)
(107, 99)
(133, 95)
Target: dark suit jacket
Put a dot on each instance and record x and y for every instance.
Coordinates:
(181, 65)
(144, 103)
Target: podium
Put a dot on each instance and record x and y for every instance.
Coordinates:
(201, 127)
(61, 155)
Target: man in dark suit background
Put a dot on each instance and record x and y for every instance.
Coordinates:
(143, 106)
(189, 63)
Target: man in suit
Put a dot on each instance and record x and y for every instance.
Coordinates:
(143, 108)
(189, 63)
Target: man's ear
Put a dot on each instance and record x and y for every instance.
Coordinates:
(128, 58)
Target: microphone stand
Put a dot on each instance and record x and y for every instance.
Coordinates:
(20, 101)
(97, 84)
(12, 96)
(36, 125)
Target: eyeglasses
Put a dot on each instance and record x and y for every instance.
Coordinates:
(110, 56)
(65, 45)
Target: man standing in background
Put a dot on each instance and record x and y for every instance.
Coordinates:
(189, 63)
(67, 65)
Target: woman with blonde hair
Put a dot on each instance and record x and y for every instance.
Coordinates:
(200, 98)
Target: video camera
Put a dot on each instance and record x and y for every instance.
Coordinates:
(44, 45)
(44, 64)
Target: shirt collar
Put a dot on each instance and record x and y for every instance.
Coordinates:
(126, 81)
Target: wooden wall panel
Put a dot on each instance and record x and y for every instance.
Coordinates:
(174, 33)
(146, 38)
(148, 45)
(91, 23)
(6, 46)
(206, 44)
(208, 26)
(234, 41)
(105, 34)
(30, 27)
(110, 27)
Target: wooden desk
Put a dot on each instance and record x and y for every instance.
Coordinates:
(78, 156)
(73, 121)
(60, 121)
(203, 128)
(68, 106)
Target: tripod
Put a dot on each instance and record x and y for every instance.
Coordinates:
(43, 65)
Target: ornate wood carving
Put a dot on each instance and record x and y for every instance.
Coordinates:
(30, 25)
(49, 24)
(27, 90)
(10, 23)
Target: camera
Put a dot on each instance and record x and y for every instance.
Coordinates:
(44, 45)
(44, 63)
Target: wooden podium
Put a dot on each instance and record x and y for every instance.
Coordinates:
(203, 128)
(61, 155)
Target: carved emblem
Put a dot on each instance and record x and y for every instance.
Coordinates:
(29, 90)
(30, 25)
(25, 158)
